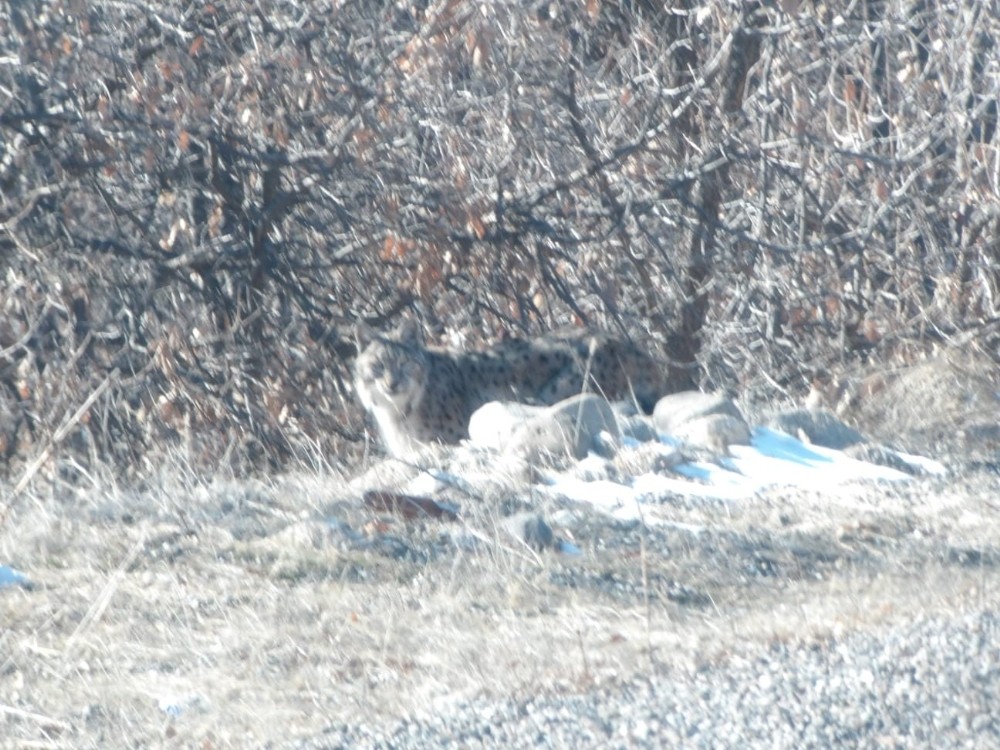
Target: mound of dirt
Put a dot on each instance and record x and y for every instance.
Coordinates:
(948, 403)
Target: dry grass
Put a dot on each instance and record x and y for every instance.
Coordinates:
(239, 603)
(951, 399)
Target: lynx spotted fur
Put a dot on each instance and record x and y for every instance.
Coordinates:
(419, 394)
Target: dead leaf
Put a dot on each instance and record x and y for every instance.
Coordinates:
(394, 248)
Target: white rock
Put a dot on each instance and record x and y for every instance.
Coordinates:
(817, 426)
(677, 408)
(715, 432)
(492, 425)
(571, 428)
(703, 420)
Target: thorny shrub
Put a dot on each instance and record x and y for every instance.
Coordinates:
(198, 200)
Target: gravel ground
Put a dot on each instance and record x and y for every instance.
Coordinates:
(929, 683)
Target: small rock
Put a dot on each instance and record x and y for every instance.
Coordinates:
(674, 410)
(529, 528)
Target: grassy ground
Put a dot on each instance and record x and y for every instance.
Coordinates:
(226, 614)
(190, 612)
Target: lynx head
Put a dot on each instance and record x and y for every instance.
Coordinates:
(391, 373)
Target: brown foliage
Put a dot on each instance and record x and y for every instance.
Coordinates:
(205, 198)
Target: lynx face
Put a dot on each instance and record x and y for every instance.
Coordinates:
(391, 376)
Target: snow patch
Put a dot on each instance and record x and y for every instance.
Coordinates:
(10, 577)
(773, 459)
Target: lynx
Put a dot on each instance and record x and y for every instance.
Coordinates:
(419, 394)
